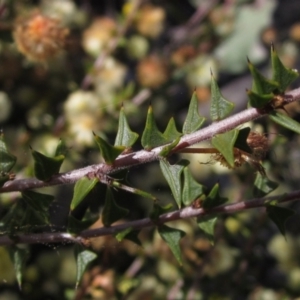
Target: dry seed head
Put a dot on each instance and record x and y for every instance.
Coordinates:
(39, 37)
(259, 146)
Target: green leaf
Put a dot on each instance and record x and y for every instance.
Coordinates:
(151, 136)
(112, 212)
(61, 148)
(172, 174)
(241, 141)
(7, 160)
(279, 216)
(224, 142)
(262, 85)
(191, 188)
(259, 100)
(168, 148)
(130, 235)
(76, 226)
(220, 107)
(19, 257)
(171, 133)
(82, 187)
(38, 202)
(285, 121)
(172, 237)
(159, 210)
(125, 137)
(281, 74)
(263, 186)
(83, 258)
(207, 225)
(44, 166)
(108, 152)
(193, 120)
(213, 199)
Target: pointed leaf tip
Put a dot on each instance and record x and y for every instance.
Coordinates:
(220, 107)
(83, 258)
(193, 120)
(279, 215)
(172, 237)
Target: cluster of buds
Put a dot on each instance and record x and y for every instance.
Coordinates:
(39, 37)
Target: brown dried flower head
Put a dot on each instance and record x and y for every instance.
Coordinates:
(152, 72)
(259, 146)
(39, 37)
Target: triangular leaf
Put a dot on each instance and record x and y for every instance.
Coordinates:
(263, 186)
(285, 121)
(19, 257)
(281, 74)
(279, 216)
(83, 258)
(38, 202)
(159, 210)
(7, 160)
(172, 174)
(259, 100)
(241, 140)
(125, 137)
(171, 133)
(262, 85)
(172, 237)
(76, 226)
(224, 142)
(82, 187)
(191, 188)
(44, 166)
(220, 107)
(193, 120)
(130, 235)
(108, 152)
(168, 148)
(151, 136)
(61, 148)
(207, 225)
(213, 198)
(112, 212)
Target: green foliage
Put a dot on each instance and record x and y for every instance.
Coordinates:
(279, 215)
(125, 136)
(7, 161)
(81, 190)
(111, 212)
(44, 166)
(19, 257)
(220, 108)
(83, 258)
(207, 225)
(191, 188)
(172, 236)
(151, 136)
(263, 186)
(108, 152)
(285, 121)
(282, 75)
(130, 235)
(213, 199)
(193, 120)
(172, 174)
(224, 143)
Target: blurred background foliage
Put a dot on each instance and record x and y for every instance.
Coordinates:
(66, 67)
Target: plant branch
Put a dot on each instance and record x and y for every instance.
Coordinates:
(188, 212)
(143, 156)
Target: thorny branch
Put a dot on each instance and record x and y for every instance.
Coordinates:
(188, 212)
(140, 157)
